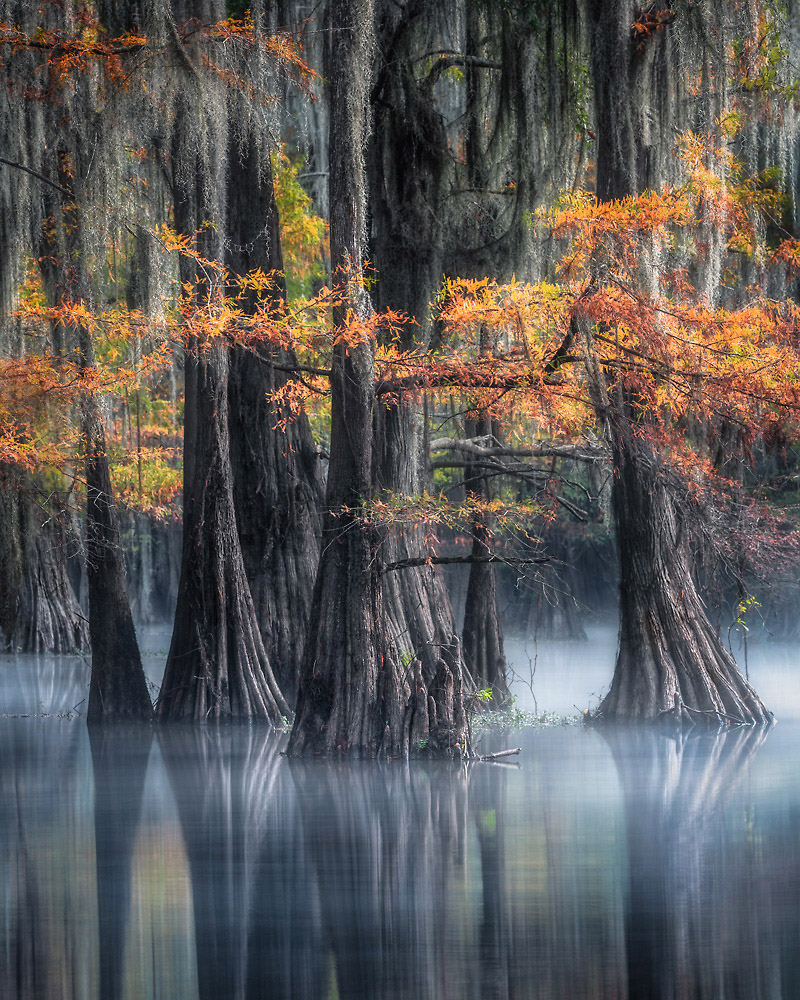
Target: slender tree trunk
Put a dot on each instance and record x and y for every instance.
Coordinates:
(669, 658)
(118, 688)
(277, 479)
(482, 637)
(217, 666)
(355, 696)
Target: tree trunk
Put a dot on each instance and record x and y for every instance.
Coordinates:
(410, 169)
(118, 688)
(482, 637)
(39, 612)
(669, 659)
(217, 667)
(277, 480)
(355, 697)
(419, 615)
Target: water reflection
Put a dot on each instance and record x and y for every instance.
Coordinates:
(694, 925)
(202, 864)
(383, 845)
(116, 751)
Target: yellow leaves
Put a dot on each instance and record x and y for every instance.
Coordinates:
(148, 480)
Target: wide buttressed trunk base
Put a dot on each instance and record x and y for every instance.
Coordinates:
(39, 612)
(359, 695)
(217, 668)
(671, 664)
(278, 491)
(118, 688)
(418, 611)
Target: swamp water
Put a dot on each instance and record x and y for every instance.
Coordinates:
(201, 863)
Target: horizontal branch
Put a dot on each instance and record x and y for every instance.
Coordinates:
(487, 447)
(463, 560)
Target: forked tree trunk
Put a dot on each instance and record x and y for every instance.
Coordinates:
(277, 479)
(669, 659)
(355, 696)
(482, 636)
(39, 612)
(217, 667)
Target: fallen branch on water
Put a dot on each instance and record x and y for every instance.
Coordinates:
(496, 756)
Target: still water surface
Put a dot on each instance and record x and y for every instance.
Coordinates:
(203, 864)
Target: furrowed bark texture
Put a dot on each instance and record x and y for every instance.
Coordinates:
(39, 612)
(410, 170)
(354, 691)
(217, 667)
(277, 480)
(419, 615)
(670, 659)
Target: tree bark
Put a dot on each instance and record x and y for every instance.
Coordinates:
(277, 480)
(39, 612)
(217, 667)
(118, 687)
(409, 172)
(670, 659)
(355, 696)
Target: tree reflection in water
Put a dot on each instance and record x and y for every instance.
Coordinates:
(692, 925)
(116, 749)
(382, 842)
(621, 865)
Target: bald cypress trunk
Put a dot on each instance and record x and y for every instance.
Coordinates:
(118, 687)
(356, 696)
(670, 659)
(39, 612)
(409, 170)
(277, 480)
(217, 667)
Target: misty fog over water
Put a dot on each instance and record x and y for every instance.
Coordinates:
(198, 862)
